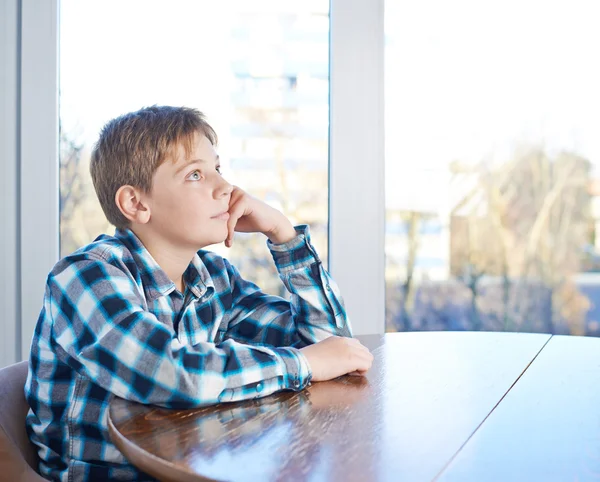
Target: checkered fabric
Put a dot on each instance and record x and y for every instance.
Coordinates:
(113, 323)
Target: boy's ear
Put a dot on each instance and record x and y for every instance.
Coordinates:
(131, 203)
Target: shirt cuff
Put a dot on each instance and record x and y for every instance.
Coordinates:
(296, 253)
(297, 374)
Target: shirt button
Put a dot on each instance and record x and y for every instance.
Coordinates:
(296, 383)
(259, 387)
(328, 288)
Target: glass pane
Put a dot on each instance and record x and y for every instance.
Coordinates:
(258, 70)
(492, 154)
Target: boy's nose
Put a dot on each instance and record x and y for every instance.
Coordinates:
(225, 188)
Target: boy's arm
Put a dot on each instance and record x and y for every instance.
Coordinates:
(315, 312)
(102, 329)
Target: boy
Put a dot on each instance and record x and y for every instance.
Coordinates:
(149, 316)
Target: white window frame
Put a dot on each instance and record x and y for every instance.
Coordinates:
(38, 211)
(10, 342)
(356, 160)
(356, 184)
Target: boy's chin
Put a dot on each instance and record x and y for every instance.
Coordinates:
(212, 241)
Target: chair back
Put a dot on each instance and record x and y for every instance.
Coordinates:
(18, 456)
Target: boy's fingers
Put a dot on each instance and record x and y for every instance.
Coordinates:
(358, 373)
(232, 221)
(235, 212)
(358, 346)
(230, 230)
(364, 361)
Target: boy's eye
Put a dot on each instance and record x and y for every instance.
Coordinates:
(195, 176)
(219, 169)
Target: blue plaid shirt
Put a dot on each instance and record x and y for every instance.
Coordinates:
(113, 323)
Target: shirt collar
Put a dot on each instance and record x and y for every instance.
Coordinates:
(155, 281)
(198, 279)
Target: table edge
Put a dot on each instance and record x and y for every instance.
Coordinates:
(150, 463)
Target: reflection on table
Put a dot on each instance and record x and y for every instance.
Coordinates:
(424, 397)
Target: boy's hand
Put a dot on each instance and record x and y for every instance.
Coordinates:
(250, 215)
(337, 356)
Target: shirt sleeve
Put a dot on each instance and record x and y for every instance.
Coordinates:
(101, 327)
(314, 312)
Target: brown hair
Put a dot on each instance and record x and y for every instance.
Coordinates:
(132, 146)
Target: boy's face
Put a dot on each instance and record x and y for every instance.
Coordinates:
(189, 199)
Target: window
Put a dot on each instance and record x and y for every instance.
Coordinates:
(259, 71)
(492, 154)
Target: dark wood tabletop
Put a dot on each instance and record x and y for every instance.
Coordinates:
(423, 399)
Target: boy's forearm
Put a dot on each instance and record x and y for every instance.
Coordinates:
(318, 306)
(315, 311)
(148, 364)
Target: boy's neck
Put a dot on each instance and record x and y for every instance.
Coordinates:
(172, 260)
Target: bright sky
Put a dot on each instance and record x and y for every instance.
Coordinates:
(465, 79)
(119, 55)
(471, 79)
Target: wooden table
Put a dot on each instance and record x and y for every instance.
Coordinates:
(434, 406)
(547, 427)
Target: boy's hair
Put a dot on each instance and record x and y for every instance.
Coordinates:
(132, 146)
